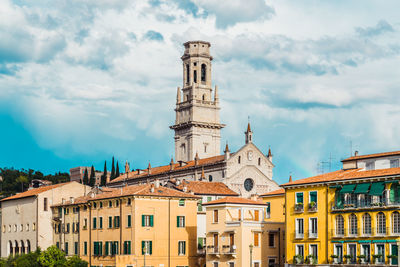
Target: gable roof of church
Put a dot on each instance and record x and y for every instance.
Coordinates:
(207, 188)
(170, 168)
(252, 144)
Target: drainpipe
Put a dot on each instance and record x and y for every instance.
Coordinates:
(90, 234)
(120, 227)
(169, 232)
(37, 223)
(279, 246)
(327, 226)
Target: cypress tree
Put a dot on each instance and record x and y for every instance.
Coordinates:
(104, 176)
(117, 171)
(112, 170)
(92, 180)
(86, 177)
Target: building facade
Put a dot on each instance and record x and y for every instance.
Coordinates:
(346, 216)
(27, 217)
(142, 225)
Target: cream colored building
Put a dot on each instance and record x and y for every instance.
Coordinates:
(142, 225)
(197, 127)
(27, 217)
(238, 234)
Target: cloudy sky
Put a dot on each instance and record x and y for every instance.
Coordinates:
(81, 81)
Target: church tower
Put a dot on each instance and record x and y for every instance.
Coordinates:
(197, 126)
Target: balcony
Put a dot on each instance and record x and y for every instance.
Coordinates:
(229, 250)
(361, 205)
(359, 232)
(298, 235)
(211, 250)
(312, 235)
(312, 207)
(299, 208)
(56, 217)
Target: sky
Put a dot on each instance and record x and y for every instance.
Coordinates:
(82, 81)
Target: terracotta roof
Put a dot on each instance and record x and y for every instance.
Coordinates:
(341, 175)
(167, 168)
(376, 155)
(280, 191)
(207, 188)
(235, 200)
(35, 191)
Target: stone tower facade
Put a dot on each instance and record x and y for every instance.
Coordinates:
(197, 125)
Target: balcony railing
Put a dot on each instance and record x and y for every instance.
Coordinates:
(230, 250)
(299, 207)
(312, 207)
(312, 234)
(212, 250)
(364, 205)
(368, 232)
(297, 235)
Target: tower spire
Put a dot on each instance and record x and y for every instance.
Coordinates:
(248, 133)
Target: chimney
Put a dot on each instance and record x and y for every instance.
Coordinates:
(269, 154)
(149, 169)
(356, 153)
(290, 179)
(71, 199)
(203, 177)
(171, 164)
(178, 182)
(185, 188)
(63, 201)
(157, 183)
(196, 159)
(254, 197)
(152, 188)
(227, 152)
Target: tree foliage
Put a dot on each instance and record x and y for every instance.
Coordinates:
(92, 180)
(104, 176)
(85, 177)
(112, 170)
(117, 171)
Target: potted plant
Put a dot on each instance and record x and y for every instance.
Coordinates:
(348, 258)
(298, 207)
(312, 206)
(391, 257)
(376, 257)
(361, 258)
(298, 259)
(334, 258)
(310, 259)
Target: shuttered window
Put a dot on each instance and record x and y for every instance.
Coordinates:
(129, 220)
(127, 247)
(180, 221)
(147, 220)
(147, 247)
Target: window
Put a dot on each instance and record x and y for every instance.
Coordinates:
(256, 215)
(85, 248)
(231, 264)
(313, 224)
(259, 161)
(256, 264)
(182, 248)
(380, 248)
(127, 247)
(299, 198)
(300, 250)
(67, 229)
(195, 76)
(203, 72)
(110, 222)
(352, 251)
(395, 222)
(180, 221)
(129, 220)
(66, 248)
(215, 264)
(129, 202)
(116, 221)
(205, 146)
(58, 245)
(271, 240)
(101, 205)
(271, 262)
(116, 203)
(114, 248)
(299, 228)
(394, 163)
(366, 224)
(381, 220)
(256, 239)
(147, 247)
(100, 222)
(94, 205)
(85, 223)
(97, 248)
(268, 210)
(314, 251)
(339, 225)
(94, 223)
(110, 204)
(181, 202)
(239, 159)
(215, 219)
(210, 178)
(353, 224)
(370, 165)
(199, 205)
(187, 74)
(147, 221)
(45, 204)
(76, 248)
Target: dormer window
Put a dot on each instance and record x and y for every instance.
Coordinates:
(370, 166)
(394, 163)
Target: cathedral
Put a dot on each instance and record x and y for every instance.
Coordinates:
(197, 128)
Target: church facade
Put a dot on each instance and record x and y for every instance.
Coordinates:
(197, 128)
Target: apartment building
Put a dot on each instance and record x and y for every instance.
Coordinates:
(236, 233)
(140, 225)
(27, 217)
(346, 216)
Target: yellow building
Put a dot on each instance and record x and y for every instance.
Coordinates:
(142, 225)
(238, 234)
(350, 215)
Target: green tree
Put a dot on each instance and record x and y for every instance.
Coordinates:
(23, 180)
(117, 171)
(104, 176)
(112, 170)
(75, 261)
(28, 260)
(52, 257)
(92, 180)
(85, 178)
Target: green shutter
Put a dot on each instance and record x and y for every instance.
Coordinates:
(268, 207)
(184, 247)
(151, 247)
(177, 221)
(362, 188)
(116, 247)
(129, 220)
(95, 248)
(129, 247)
(151, 220)
(85, 247)
(347, 188)
(125, 247)
(101, 222)
(143, 244)
(106, 249)
(313, 197)
(339, 198)
(143, 220)
(393, 193)
(199, 205)
(109, 222)
(100, 248)
(94, 223)
(299, 198)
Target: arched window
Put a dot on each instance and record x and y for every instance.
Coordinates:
(203, 72)
(395, 222)
(339, 225)
(10, 248)
(195, 76)
(203, 97)
(259, 161)
(187, 74)
(366, 218)
(22, 246)
(16, 249)
(353, 224)
(381, 220)
(28, 246)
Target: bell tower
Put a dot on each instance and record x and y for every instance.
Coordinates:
(197, 126)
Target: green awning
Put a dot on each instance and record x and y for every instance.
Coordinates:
(338, 242)
(364, 241)
(335, 186)
(377, 189)
(350, 241)
(347, 188)
(391, 182)
(391, 241)
(378, 241)
(362, 188)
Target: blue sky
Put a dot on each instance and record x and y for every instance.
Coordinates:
(83, 81)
